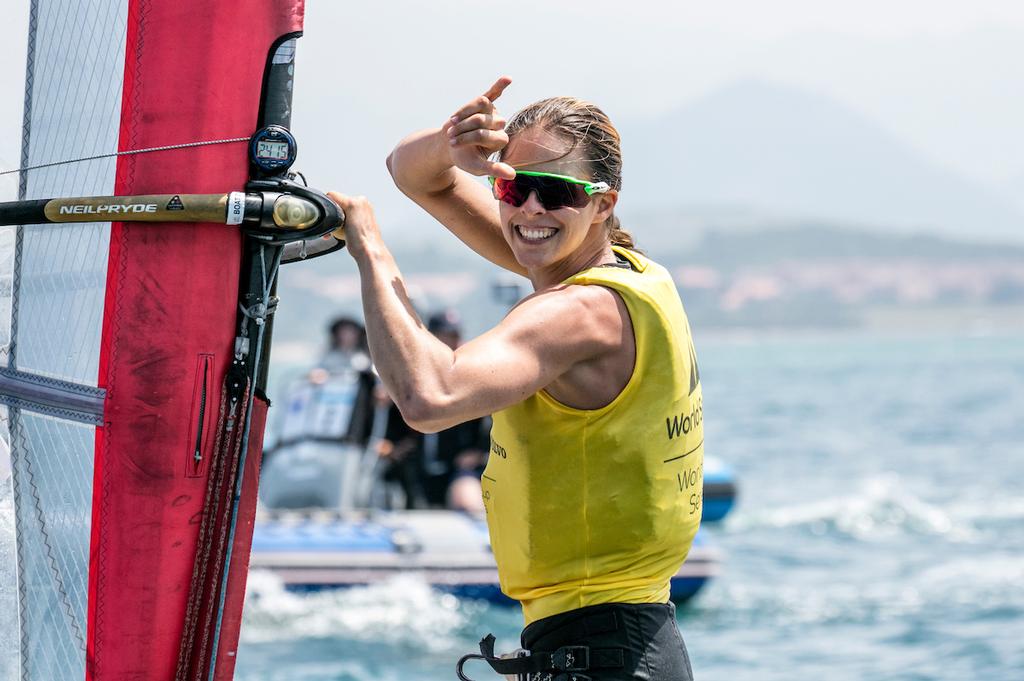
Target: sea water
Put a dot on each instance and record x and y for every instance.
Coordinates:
(879, 532)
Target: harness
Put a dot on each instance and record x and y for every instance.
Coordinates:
(567, 663)
(564, 664)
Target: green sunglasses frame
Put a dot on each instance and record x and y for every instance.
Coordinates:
(590, 188)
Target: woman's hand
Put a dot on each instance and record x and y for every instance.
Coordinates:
(360, 231)
(476, 131)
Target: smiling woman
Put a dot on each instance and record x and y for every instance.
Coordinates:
(587, 519)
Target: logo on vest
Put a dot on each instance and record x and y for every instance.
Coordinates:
(682, 424)
(498, 449)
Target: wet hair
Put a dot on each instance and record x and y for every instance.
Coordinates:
(583, 125)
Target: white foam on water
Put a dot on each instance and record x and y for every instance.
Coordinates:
(992, 509)
(960, 589)
(997, 582)
(881, 508)
(404, 610)
(335, 670)
(798, 606)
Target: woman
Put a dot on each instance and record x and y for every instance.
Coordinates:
(591, 380)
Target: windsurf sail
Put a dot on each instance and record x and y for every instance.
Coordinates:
(133, 359)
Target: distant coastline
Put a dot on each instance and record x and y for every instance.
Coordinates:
(793, 278)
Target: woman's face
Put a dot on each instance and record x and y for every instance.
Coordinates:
(542, 238)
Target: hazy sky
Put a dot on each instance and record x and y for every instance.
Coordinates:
(943, 75)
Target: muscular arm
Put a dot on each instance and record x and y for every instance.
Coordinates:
(422, 169)
(435, 387)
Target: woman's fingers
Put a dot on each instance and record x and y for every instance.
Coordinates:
(476, 121)
(484, 103)
(488, 140)
(502, 170)
(358, 210)
(477, 105)
(499, 86)
(360, 227)
(342, 200)
(476, 131)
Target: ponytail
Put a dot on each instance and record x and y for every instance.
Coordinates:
(617, 235)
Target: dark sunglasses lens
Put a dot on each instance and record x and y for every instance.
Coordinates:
(552, 192)
(555, 193)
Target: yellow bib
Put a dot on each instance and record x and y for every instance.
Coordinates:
(601, 506)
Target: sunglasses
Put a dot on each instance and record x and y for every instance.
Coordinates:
(553, 191)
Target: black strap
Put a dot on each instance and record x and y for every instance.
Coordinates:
(565, 661)
(620, 262)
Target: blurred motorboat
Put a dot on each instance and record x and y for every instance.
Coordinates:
(313, 550)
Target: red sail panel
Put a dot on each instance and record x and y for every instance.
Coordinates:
(193, 72)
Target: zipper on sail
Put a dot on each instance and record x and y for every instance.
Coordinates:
(195, 465)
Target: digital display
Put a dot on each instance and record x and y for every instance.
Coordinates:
(272, 151)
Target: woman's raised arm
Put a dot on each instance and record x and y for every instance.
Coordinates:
(436, 168)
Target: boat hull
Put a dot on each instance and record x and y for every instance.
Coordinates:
(447, 549)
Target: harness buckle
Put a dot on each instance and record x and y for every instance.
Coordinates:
(571, 659)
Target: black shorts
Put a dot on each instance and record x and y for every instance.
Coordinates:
(627, 641)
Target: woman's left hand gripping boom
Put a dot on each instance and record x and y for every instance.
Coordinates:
(541, 339)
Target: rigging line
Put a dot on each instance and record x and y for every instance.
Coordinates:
(129, 152)
(268, 277)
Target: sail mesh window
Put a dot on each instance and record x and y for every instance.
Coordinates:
(52, 286)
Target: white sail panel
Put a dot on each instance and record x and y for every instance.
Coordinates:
(52, 288)
(72, 111)
(52, 484)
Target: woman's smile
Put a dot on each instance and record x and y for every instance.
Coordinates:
(534, 233)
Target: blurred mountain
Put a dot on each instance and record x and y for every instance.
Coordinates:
(760, 151)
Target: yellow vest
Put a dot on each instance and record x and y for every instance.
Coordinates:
(601, 506)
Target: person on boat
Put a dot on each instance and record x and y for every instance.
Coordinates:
(442, 469)
(348, 359)
(346, 347)
(591, 380)
(401, 450)
(454, 458)
(328, 420)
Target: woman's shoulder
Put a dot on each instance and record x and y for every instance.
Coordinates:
(576, 312)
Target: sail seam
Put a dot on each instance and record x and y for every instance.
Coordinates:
(51, 396)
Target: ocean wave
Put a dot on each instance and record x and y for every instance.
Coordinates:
(992, 509)
(993, 582)
(404, 610)
(962, 590)
(335, 670)
(792, 605)
(882, 507)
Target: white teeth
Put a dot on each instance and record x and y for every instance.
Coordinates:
(535, 233)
